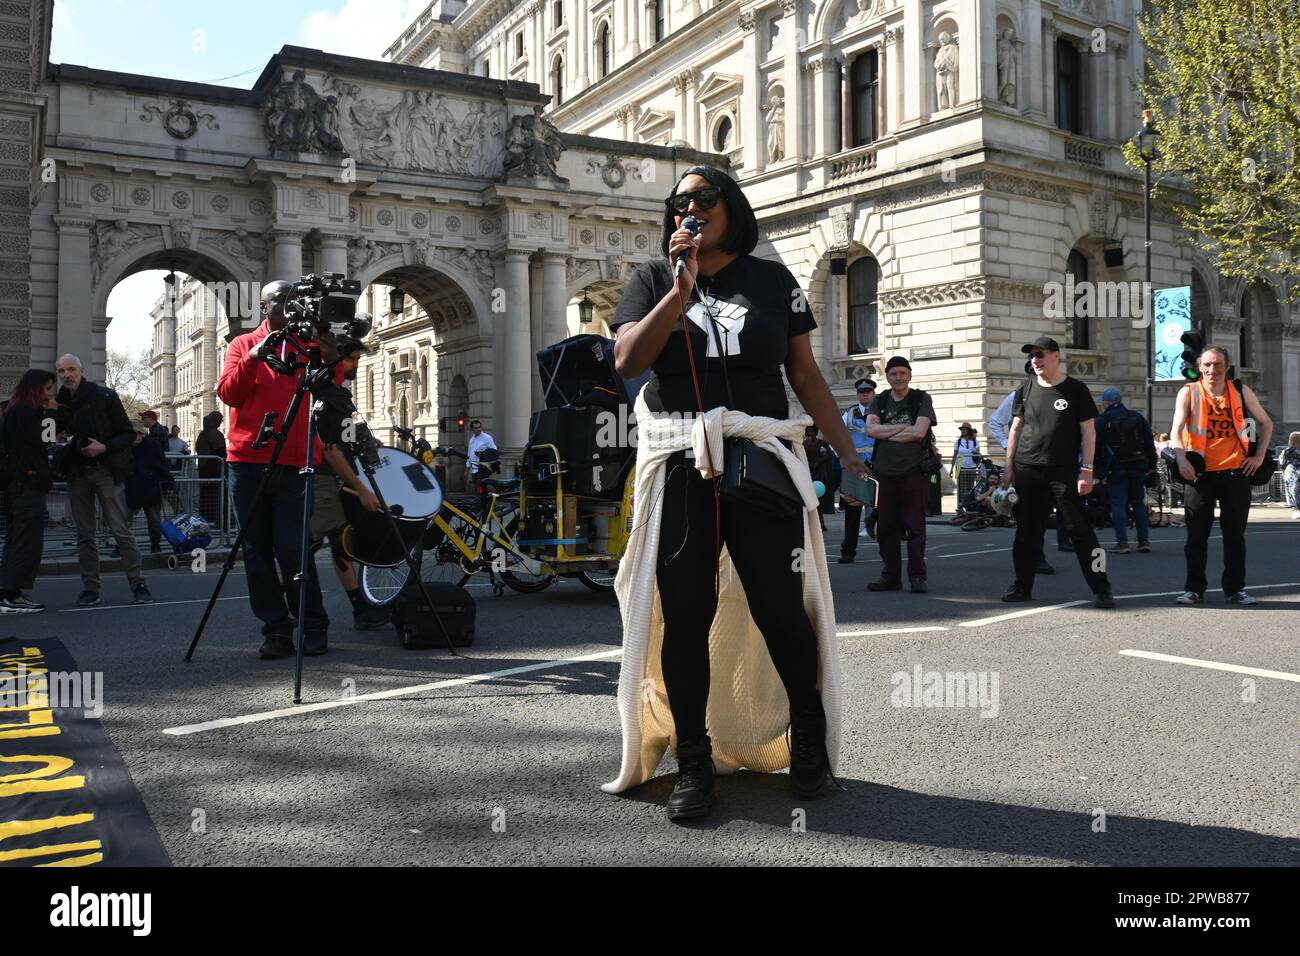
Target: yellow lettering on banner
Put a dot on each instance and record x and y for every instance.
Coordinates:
(36, 700)
(30, 781)
(33, 732)
(34, 718)
(7, 855)
(89, 860)
(18, 828)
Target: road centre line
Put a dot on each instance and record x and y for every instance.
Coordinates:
(1213, 665)
(890, 630)
(382, 695)
(998, 619)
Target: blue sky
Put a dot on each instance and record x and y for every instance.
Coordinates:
(227, 43)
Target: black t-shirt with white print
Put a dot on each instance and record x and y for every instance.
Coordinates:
(1051, 436)
(757, 305)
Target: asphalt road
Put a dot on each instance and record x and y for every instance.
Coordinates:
(1179, 768)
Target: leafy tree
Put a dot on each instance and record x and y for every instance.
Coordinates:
(1223, 78)
(129, 375)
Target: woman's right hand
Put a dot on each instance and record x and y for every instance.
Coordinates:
(858, 467)
(1185, 469)
(677, 242)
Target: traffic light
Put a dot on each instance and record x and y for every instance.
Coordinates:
(460, 422)
(1194, 345)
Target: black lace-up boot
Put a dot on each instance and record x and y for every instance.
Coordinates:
(810, 768)
(692, 795)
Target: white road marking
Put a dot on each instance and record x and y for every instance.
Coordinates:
(980, 622)
(890, 630)
(383, 694)
(118, 607)
(966, 554)
(1213, 665)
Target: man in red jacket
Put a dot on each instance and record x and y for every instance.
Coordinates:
(274, 533)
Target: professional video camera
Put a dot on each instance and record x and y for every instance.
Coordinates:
(325, 303)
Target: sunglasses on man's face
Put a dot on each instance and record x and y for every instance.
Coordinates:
(705, 198)
(1038, 355)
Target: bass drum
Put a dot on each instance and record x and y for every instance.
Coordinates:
(413, 496)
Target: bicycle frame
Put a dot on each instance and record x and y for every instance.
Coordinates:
(480, 540)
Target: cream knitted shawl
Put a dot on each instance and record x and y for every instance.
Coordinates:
(748, 710)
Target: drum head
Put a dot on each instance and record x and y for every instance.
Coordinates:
(407, 484)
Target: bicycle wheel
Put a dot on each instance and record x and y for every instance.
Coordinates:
(381, 585)
(977, 523)
(600, 581)
(514, 575)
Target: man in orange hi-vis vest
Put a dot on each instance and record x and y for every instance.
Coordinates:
(1210, 420)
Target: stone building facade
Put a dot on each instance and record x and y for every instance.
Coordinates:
(924, 167)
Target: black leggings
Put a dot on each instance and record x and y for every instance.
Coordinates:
(762, 552)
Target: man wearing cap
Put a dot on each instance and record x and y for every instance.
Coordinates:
(855, 420)
(899, 420)
(1127, 454)
(1050, 459)
(999, 428)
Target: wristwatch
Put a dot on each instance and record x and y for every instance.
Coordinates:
(1085, 467)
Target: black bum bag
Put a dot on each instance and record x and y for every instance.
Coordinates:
(756, 478)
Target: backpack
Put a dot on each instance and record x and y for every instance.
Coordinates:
(1127, 438)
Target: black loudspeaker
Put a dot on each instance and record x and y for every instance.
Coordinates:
(415, 623)
(839, 267)
(580, 371)
(1114, 256)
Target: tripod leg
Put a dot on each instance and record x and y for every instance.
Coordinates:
(303, 577)
(231, 557)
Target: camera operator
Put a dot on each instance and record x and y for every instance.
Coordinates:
(756, 303)
(273, 533)
(96, 461)
(327, 516)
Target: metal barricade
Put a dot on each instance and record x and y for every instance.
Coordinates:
(189, 494)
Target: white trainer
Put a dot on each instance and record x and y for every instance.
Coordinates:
(1188, 597)
(1241, 597)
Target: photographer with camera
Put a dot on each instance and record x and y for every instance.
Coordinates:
(274, 528)
(96, 461)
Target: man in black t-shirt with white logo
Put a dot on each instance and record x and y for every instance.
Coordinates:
(1050, 459)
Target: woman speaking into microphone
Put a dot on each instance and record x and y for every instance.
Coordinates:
(731, 655)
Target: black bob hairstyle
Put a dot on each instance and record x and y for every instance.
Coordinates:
(742, 225)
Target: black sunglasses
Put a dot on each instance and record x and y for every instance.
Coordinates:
(705, 198)
(1038, 355)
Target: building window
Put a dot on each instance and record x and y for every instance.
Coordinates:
(1080, 332)
(557, 14)
(866, 94)
(519, 45)
(864, 325)
(722, 135)
(660, 6)
(602, 50)
(557, 80)
(1069, 87)
(487, 67)
(371, 403)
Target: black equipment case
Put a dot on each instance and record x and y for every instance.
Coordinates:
(415, 623)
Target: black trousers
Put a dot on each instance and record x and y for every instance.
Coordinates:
(1231, 490)
(763, 555)
(1039, 489)
(25, 540)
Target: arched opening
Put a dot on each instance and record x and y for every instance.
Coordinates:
(724, 134)
(1079, 326)
(557, 81)
(603, 296)
(164, 320)
(863, 310)
(458, 400)
(602, 50)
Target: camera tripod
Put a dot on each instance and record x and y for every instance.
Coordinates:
(312, 376)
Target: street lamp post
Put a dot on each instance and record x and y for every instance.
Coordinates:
(1145, 140)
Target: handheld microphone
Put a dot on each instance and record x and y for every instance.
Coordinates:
(691, 225)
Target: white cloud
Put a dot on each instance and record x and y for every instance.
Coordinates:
(363, 28)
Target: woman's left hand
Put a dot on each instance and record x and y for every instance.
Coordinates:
(856, 466)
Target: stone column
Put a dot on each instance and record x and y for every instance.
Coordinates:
(915, 66)
(1087, 90)
(542, 67)
(334, 253)
(1029, 90)
(893, 70)
(515, 350)
(794, 145)
(1048, 80)
(73, 331)
(286, 259)
(634, 20)
(986, 60)
(751, 133)
(823, 112)
(581, 42)
(536, 324)
(555, 300)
